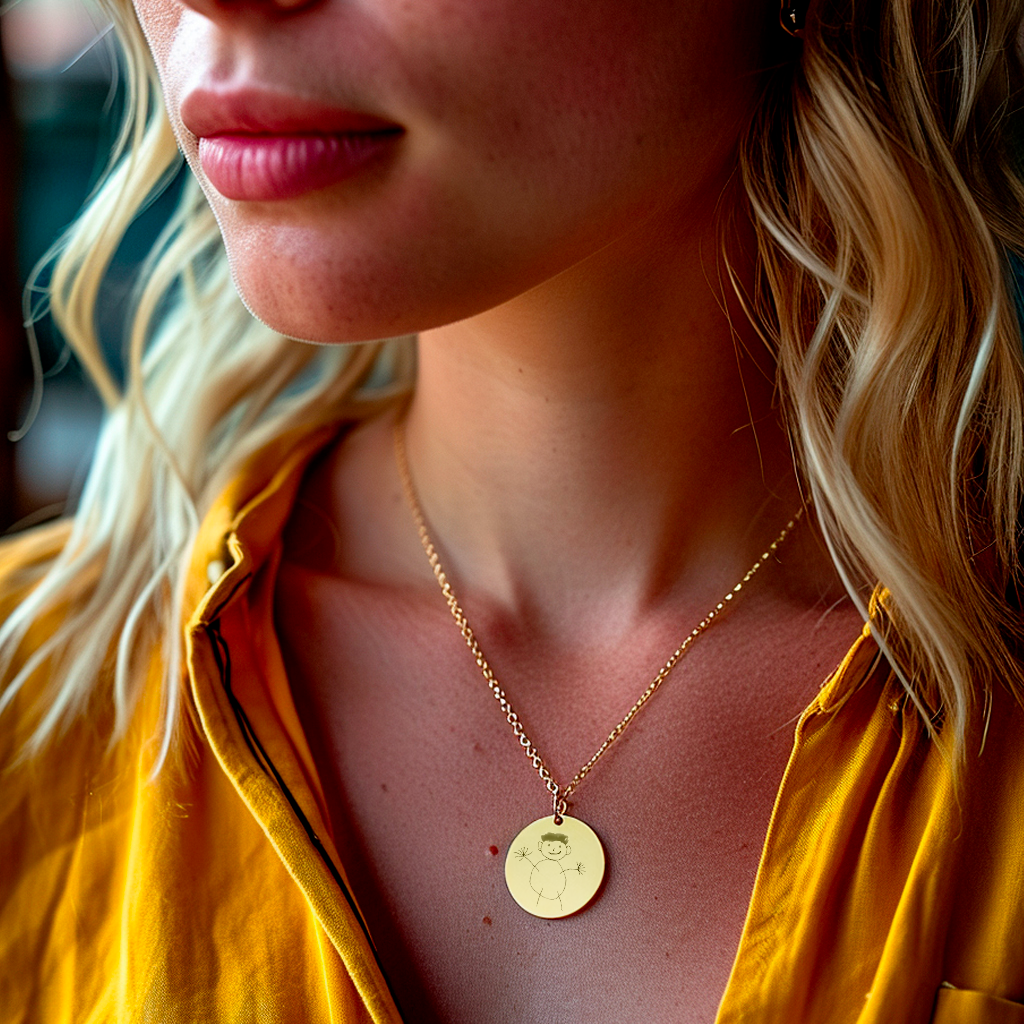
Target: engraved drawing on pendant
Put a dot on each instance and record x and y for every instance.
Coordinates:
(554, 870)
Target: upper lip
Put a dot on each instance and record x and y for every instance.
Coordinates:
(207, 112)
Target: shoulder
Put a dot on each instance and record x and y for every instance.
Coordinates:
(44, 793)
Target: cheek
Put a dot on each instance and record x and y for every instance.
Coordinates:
(159, 20)
(586, 92)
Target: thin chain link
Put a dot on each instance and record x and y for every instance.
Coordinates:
(560, 794)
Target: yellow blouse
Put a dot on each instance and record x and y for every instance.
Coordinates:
(216, 893)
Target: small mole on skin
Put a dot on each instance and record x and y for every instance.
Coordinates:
(492, 850)
(384, 787)
(487, 921)
(477, 749)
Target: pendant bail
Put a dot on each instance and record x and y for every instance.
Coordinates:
(559, 805)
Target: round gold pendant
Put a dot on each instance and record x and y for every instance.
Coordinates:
(554, 870)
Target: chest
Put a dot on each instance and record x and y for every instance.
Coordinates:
(428, 787)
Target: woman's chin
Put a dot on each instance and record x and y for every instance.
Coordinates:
(313, 307)
(335, 295)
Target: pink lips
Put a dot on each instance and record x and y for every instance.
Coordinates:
(262, 167)
(257, 145)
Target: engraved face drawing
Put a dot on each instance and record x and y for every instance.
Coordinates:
(554, 847)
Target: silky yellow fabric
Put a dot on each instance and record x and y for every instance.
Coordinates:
(215, 893)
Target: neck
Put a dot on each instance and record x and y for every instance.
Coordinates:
(604, 442)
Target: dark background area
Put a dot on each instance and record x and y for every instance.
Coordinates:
(59, 111)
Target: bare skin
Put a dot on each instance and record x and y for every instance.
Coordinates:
(425, 780)
(589, 516)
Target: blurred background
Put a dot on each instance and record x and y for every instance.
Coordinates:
(60, 105)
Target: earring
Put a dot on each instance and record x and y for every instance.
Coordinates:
(793, 16)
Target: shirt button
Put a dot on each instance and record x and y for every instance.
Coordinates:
(215, 568)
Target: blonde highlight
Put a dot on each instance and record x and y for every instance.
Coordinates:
(883, 189)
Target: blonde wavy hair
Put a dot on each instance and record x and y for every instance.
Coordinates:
(886, 195)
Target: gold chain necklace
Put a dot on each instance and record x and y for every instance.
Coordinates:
(537, 870)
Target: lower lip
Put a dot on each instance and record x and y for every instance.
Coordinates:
(268, 167)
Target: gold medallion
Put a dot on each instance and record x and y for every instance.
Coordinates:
(554, 870)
